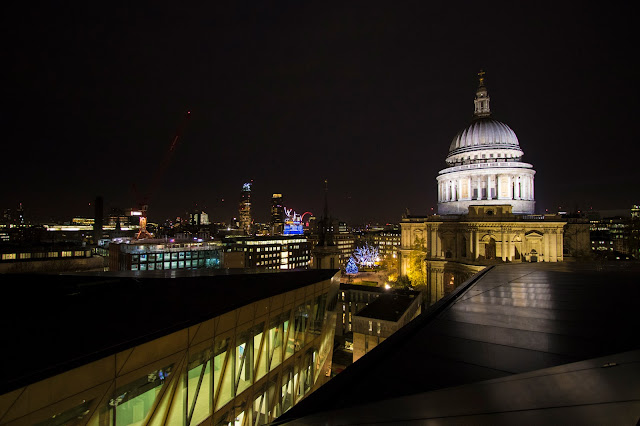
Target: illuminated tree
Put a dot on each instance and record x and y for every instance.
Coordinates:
(351, 267)
(415, 273)
(366, 255)
(390, 266)
(415, 270)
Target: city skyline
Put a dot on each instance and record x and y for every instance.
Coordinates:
(289, 95)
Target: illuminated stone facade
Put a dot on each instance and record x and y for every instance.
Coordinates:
(488, 234)
(484, 166)
(485, 210)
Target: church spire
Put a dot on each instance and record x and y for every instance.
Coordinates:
(325, 233)
(482, 98)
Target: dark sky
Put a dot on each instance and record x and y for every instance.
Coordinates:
(366, 94)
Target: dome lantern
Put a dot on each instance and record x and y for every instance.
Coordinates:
(482, 99)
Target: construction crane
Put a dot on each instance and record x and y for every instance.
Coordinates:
(143, 201)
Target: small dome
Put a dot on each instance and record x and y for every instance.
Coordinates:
(484, 133)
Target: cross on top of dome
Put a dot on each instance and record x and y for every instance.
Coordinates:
(481, 78)
(482, 99)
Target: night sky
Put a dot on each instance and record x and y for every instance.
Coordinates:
(367, 95)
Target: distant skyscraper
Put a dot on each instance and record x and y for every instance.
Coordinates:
(277, 214)
(244, 208)
(199, 218)
(20, 215)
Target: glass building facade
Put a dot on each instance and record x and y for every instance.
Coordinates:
(164, 256)
(244, 367)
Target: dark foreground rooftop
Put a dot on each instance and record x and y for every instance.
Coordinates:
(388, 306)
(53, 323)
(520, 343)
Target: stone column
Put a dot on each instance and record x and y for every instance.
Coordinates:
(559, 247)
(479, 196)
(433, 242)
(547, 255)
(476, 243)
(498, 187)
(532, 195)
(517, 194)
(554, 245)
(503, 250)
(440, 286)
(471, 254)
(427, 239)
(488, 187)
(509, 188)
(433, 296)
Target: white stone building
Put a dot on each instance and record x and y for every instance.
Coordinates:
(485, 166)
(485, 210)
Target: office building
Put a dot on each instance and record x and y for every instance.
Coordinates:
(277, 214)
(266, 252)
(244, 208)
(193, 349)
(164, 254)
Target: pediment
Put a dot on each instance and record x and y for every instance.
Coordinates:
(533, 235)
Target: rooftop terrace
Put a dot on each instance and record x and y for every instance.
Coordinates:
(517, 343)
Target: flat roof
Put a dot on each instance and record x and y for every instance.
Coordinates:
(507, 324)
(53, 323)
(388, 306)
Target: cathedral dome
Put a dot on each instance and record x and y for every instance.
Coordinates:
(484, 133)
(484, 165)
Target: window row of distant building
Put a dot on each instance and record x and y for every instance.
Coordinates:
(37, 255)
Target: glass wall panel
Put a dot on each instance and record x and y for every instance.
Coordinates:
(131, 403)
(260, 408)
(178, 409)
(289, 335)
(223, 372)
(286, 391)
(71, 417)
(307, 371)
(260, 350)
(299, 326)
(276, 338)
(199, 387)
(272, 401)
(308, 321)
(297, 388)
(244, 361)
(239, 420)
